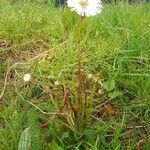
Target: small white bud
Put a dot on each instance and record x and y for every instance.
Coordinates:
(27, 77)
(100, 92)
(89, 76)
(57, 83)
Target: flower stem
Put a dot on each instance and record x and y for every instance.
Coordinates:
(79, 77)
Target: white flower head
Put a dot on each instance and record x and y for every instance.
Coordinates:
(27, 77)
(85, 7)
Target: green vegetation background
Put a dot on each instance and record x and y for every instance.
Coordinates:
(38, 39)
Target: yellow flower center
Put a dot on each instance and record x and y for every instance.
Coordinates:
(83, 3)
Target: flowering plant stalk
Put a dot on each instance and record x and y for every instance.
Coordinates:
(83, 8)
(80, 102)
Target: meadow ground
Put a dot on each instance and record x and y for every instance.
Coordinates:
(38, 39)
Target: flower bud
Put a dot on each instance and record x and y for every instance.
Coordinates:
(27, 77)
(57, 83)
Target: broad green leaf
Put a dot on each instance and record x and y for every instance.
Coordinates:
(114, 94)
(65, 135)
(35, 130)
(109, 85)
(25, 140)
(55, 146)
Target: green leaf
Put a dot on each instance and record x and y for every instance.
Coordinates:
(55, 146)
(25, 140)
(114, 94)
(90, 134)
(109, 85)
(65, 135)
(35, 130)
